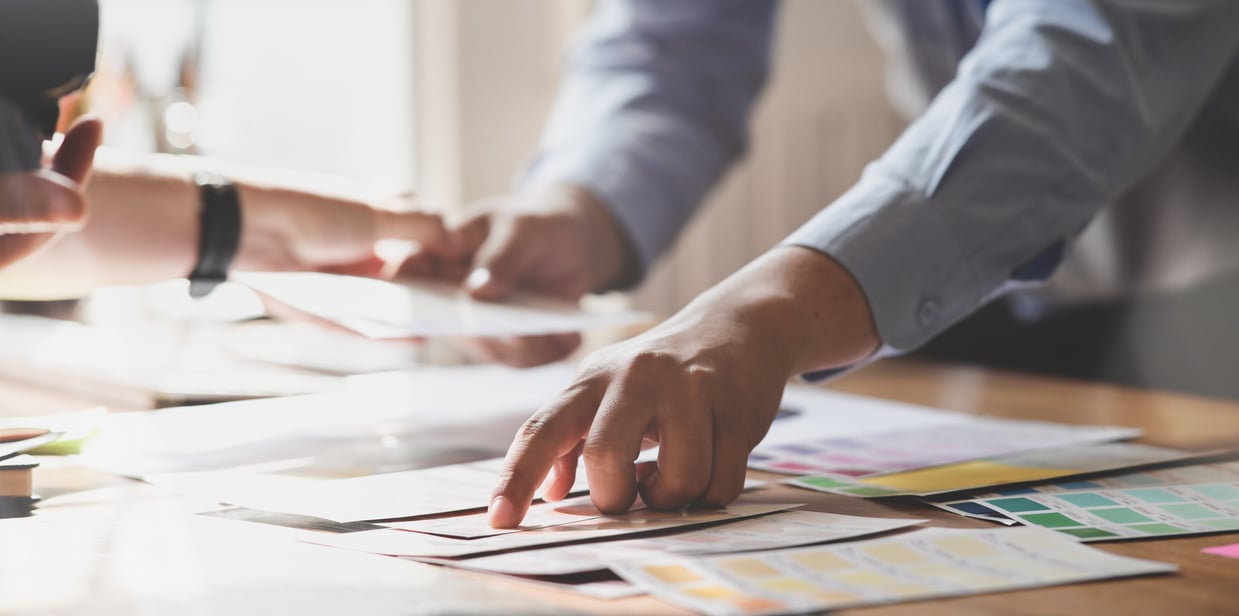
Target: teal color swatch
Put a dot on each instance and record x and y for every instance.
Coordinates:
(1050, 520)
(1017, 505)
(1219, 491)
(1120, 515)
(1087, 499)
(1190, 511)
(1158, 529)
(1153, 495)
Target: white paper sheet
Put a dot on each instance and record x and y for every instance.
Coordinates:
(381, 309)
(777, 530)
(389, 421)
(393, 542)
(927, 564)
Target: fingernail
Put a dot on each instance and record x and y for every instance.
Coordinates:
(501, 513)
(478, 278)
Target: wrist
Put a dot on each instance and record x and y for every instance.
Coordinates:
(802, 303)
(611, 261)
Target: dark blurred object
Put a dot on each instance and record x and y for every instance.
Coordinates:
(47, 50)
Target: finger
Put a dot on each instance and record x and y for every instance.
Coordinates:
(564, 473)
(730, 467)
(499, 262)
(552, 432)
(614, 442)
(76, 154)
(39, 202)
(685, 453)
(425, 228)
(370, 267)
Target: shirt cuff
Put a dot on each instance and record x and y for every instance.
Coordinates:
(905, 258)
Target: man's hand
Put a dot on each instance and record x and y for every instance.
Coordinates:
(704, 385)
(34, 205)
(557, 241)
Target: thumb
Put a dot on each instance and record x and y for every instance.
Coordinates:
(497, 265)
(76, 154)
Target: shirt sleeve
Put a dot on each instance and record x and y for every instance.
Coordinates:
(655, 108)
(1059, 108)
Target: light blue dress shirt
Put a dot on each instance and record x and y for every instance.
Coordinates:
(1056, 108)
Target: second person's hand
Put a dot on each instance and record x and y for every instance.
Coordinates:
(557, 240)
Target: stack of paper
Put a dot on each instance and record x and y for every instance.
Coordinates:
(1162, 503)
(927, 564)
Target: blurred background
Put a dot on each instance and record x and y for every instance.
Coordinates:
(448, 98)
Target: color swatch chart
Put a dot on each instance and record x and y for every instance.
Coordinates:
(1124, 513)
(1014, 468)
(927, 564)
(906, 449)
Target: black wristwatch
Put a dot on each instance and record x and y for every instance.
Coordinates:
(219, 233)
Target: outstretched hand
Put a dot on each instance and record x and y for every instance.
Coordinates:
(556, 241)
(705, 385)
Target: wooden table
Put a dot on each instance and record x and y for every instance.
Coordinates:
(112, 546)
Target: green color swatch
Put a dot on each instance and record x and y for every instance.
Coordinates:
(1219, 491)
(1087, 499)
(1158, 529)
(1087, 533)
(1190, 511)
(1017, 505)
(1120, 515)
(1155, 495)
(1223, 524)
(1050, 520)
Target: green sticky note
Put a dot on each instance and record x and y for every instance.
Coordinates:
(1017, 505)
(1120, 515)
(1086, 499)
(1087, 533)
(1050, 520)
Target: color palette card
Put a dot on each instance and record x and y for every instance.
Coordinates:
(777, 530)
(415, 309)
(1123, 513)
(1213, 472)
(899, 450)
(396, 542)
(928, 564)
(1001, 470)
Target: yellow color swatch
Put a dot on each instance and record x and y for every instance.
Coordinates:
(748, 567)
(894, 553)
(821, 561)
(977, 473)
(969, 547)
(672, 574)
(788, 584)
(712, 592)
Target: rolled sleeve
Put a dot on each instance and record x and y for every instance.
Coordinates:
(1059, 108)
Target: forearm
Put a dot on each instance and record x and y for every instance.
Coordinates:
(654, 109)
(1059, 109)
(793, 305)
(144, 228)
